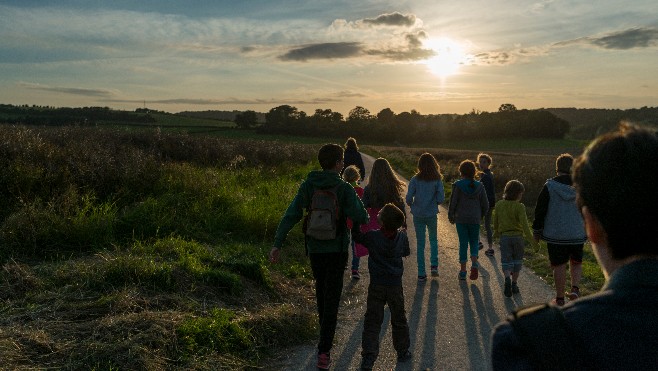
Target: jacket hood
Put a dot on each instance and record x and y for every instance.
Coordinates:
(464, 185)
(564, 191)
(324, 179)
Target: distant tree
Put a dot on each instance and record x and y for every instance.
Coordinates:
(360, 115)
(246, 119)
(507, 107)
(326, 117)
(386, 117)
(283, 115)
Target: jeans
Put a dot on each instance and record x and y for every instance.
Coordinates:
(420, 224)
(378, 297)
(468, 234)
(487, 225)
(355, 259)
(328, 270)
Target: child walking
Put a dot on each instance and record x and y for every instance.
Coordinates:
(486, 177)
(383, 187)
(386, 246)
(352, 175)
(424, 195)
(510, 224)
(468, 204)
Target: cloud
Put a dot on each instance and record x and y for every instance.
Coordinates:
(640, 37)
(391, 19)
(324, 51)
(102, 93)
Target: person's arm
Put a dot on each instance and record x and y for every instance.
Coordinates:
(484, 203)
(411, 191)
(406, 251)
(540, 212)
(292, 216)
(366, 196)
(453, 203)
(494, 222)
(527, 232)
(440, 193)
(362, 167)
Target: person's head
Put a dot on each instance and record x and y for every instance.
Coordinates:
(351, 144)
(330, 155)
(563, 163)
(467, 169)
(391, 217)
(351, 174)
(513, 190)
(428, 168)
(384, 185)
(614, 181)
(484, 161)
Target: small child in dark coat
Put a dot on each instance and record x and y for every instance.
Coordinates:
(386, 247)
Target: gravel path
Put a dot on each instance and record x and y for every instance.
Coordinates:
(450, 321)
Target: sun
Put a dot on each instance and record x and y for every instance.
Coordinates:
(450, 55)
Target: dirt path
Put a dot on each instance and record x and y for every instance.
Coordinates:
(450, 320)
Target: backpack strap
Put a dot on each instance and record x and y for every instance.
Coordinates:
(548, 340)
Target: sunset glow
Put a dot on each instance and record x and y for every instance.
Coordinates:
(449, 57)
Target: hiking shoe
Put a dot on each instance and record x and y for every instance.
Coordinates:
(489, 252)
(324, 360)
(422, 278)
(515, 288)
(558, 301)
(574, 294)
(355, 274)
(404, 356)
(434, 270)
(508, 287)
(480, 245)
(367, 363)
(462, 275)
(474, 273)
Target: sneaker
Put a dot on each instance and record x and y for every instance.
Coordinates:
(435, 270)
(508, 287)
(462, 275)
(422, 278)
(367, 363)
(558, 301)
(574, 294)
(404, 356)
(355, 274)
(489, 252)
(324, 360)
(474, 273)
(515, 288)
(480, 245)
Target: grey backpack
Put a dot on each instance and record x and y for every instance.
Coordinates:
(322, 216)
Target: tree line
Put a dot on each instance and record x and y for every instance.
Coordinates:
(507, 122)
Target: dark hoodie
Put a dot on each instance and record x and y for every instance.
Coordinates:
(349, 206)
(468, 203)
(385, 252)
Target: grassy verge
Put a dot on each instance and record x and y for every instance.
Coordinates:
(145, 250)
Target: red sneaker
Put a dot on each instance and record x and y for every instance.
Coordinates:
(474, 273)
(324, 360)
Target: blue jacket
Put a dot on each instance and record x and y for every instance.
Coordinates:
(617, 325)
(424, 197)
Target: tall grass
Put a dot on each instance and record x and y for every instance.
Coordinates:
(149, 245)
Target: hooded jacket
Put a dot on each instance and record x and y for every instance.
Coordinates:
(424, 197)
(349, 206)
(353, 157)
(384, 256)
(562, 224)
(467, 204)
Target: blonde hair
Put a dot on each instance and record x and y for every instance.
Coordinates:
(351, 174)
(513, 190)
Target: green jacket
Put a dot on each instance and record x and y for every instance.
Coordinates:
(509, 219)
(349, 206)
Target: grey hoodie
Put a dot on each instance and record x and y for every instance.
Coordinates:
(563, 223)
(467, 204)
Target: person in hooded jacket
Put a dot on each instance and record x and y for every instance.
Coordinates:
(328, 257)
(468, 204)
(559, 222)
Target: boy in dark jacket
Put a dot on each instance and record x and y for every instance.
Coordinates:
(328, 257)
(386, 247)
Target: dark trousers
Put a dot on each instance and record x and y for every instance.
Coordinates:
(328, 270)
(378, 297)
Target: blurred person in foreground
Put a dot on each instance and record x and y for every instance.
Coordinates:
(614, 329)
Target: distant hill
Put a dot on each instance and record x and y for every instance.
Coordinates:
(219, 115)
(586, 123)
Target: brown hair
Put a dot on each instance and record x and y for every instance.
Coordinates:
(467, 170)
(392, 217)
(329, 155)
(513, 190)
(384, 185)
(351, 144)
(428, 168)
(563, 163)
(351, 174)
(485, 156)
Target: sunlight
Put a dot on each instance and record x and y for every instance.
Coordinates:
(449, 57)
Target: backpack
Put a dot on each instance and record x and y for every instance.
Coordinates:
(548, 340)
(322, 215)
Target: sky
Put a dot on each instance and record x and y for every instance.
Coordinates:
(432, 56)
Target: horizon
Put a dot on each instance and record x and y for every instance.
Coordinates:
(420, 55)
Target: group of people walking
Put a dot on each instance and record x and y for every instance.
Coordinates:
(372, 220)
